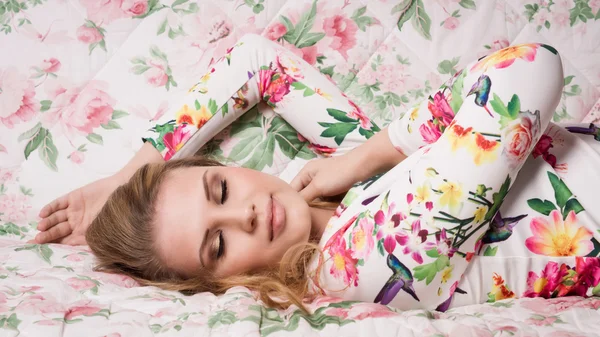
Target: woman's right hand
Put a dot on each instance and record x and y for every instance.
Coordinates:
(66, 219)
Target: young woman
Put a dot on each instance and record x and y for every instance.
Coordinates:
(411, 238)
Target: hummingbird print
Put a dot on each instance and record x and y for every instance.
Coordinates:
(592, 130)
(500, 230)
(481, 90)
(401, 278)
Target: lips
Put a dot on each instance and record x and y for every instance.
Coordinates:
(275, 218)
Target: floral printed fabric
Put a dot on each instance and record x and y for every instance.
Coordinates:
(383, 56)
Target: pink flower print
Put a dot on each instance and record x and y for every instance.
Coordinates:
(542, 148)
(367, 76)
(274, 89)
(116, 279)
(362, 239)
(361, 311)
(413, 241)
(134, 7)
(39, 304)
(17, 98)
(77, 157)
(89, 35)
(337, 312)
(595, 5)
(175, 140)
(14, 207)
(394, 85)
(8, 176)
(545, 284)
(541, 16)
(342, 31)
(588, 275)
(542, 321)
(50, 65)
(440, 109)
(561, 19)
(430, 132)
(344, 265)
(553, 236)
(498, 44)
(48, 322)
(83, 310)
(517, 137)
(357, 113)
(103, 12)
(569, 4)
(442, 244)
(81, 284)
(79, 110)
(156, 75)
(75, 257)
(451, 23)
(389, 229)
(276, 31)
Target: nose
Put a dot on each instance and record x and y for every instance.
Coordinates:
(243, 217)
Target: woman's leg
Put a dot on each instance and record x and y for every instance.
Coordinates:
(259, 70)
(435, 205)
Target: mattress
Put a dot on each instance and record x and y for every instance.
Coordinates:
(80, 82)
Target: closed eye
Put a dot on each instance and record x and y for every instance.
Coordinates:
(223, 191)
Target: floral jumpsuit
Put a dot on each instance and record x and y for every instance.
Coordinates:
(451, 224)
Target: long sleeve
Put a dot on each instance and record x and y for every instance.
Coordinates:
(259, 70)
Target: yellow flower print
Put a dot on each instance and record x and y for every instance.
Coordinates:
(423, 192)
(197, 118)
(451, 194)
(483, 150)
(414, 114)
(458, 136)
(480, 213)
(447, 274)
(323, 94)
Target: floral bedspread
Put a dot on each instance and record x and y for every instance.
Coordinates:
(81, 80)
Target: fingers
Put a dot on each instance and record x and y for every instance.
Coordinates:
(53, 219)
(56, 205)
(310, 192)
(298, 183)
(54, 233)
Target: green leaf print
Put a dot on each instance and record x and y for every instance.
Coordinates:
(46, 104)
(582, 12)
(289, 143)
(490, 251)
(448, 66)
(110, 125)
(249, 140)
(337, 131)
(361, 20)
(428, 271)
(95, 138)
(340, 115)
(468, 4)
(421, 21)
(514, 107)
(299, 35)
(263, 155)
(572, 205)
(561, 191)
(457, 89)
(406, 9)
(119, 114)
(543, 207)
(301, 86)
(43, 251)
(212, 106)
(38, 133)
(498, 198)
(48, 152)
(499, 106)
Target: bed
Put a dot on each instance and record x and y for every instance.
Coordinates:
(81, 80)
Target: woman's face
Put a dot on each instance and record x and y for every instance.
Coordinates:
(228, 220)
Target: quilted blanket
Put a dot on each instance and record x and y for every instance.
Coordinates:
(81, 80)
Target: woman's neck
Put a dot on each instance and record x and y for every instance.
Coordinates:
(319, 218)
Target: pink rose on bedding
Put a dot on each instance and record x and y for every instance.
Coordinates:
(105, 11)
(89, 34)
(343, 32)
(81, 284)
(357, 113)
(50, 65)
(361, 311)
(14, 207)
(79, 110)
(17, 101)
(451, 23)
(135, 7)
(595, 5)
(8, 176)
(156, 75)
(38, 304)
(81, 311)
(308, 54)
(74, 257)
(275, 31)
(518, 136)
(77, 157)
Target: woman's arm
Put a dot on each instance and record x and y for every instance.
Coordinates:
(147, 154)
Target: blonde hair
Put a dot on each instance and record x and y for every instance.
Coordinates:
(122, 240)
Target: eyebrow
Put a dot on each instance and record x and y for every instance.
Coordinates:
(205, 238)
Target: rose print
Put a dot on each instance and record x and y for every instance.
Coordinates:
(81, 284)
(343, 33)
(134, 7)
(14, 207)
(518, 137)
(84, 310)
(17, 99)
(155, 68)
(276, 31)
(50, 65)
(156, 75)
(89, 34)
